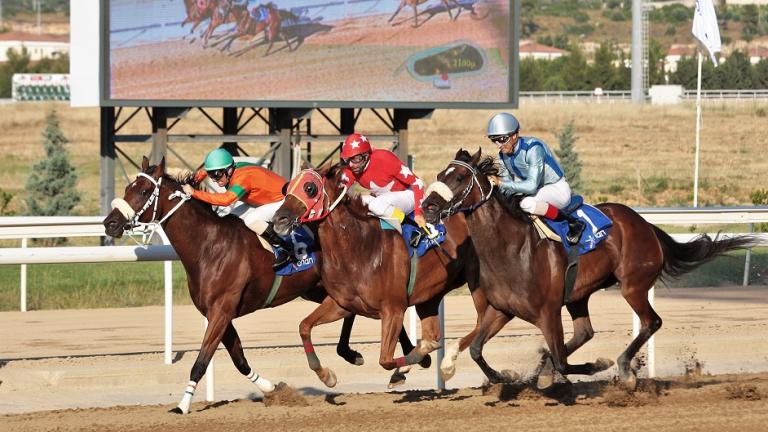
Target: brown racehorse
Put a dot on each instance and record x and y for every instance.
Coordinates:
(270, 22)
(229, 273)
(222, 12)
(197, 12)
(366, 270)
(415, 3)
(523, 275)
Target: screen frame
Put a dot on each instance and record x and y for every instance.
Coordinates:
(512, 96)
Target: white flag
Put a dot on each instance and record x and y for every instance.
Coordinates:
(705, 27)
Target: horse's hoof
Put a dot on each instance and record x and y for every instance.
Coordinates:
(397, 379)
(448, 372)
(327, 377)
(176, 410)
(602, 364)
(426, 362)
(426, 347)
(264, 385)
(545, 381)
(403, 369)
(509, 376)
(359, 360)
(630, 382)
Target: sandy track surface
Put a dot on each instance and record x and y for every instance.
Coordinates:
(707, 332)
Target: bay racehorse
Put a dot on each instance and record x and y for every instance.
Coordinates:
(266, 18)
(197, 12)
(523, 275)
(365, 270)
(229, 272)
(415, 3)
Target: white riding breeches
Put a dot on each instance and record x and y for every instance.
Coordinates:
(558, 194)
(382, 205)
(256, 218)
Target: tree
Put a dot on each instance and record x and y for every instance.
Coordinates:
(760, 80)
(751, 20)
(735, 72)
(602, 73)
(5, 202)
(51, 185)
(18, 62)
(569, 159)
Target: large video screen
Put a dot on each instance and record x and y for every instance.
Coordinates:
(310, 52)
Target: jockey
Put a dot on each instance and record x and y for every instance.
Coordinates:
(536, 174)
(258, 189)
(395, 190)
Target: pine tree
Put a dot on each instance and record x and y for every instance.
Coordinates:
(51, 185)
(568, 157)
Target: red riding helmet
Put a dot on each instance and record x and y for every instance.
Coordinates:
(354, 145)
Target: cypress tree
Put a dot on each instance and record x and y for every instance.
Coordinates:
(51, 184)
(568, 157)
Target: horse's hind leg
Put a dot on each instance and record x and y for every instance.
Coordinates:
(650, 322)
(492, 321)
(217, 325)
(342, 347)
(402, 3)
(328, 311)
(235, 348)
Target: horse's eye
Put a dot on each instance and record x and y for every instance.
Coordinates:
(310, 189)
(144, 192)
(460, 178)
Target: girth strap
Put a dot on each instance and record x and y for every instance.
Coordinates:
(412, 275)
(273, 291)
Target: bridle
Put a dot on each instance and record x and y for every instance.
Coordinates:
(455, 206)
(147, 229)
(317, 206)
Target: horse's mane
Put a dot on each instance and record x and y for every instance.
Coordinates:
(185, 177)
(488, 167)
(353, 203)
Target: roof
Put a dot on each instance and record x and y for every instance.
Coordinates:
(532, 47)
(33, 37)
(758, 51)
(682, 50)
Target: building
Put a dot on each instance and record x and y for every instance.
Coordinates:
(530, 49)
(38, 45)
(757, 53)
(675, 54)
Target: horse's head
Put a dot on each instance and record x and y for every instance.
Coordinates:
(141, 201)
(310, 196)
(463, 185)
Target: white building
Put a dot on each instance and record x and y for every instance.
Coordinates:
(675, 54)
(529, 49)
(38, 45)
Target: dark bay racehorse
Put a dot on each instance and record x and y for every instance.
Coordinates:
(415, 3)
(366, 270)
(229, 272)
(266, 18)
(522, 275)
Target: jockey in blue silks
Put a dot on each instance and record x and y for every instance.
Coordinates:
(532, 170)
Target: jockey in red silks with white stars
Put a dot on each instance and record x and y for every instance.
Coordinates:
(395, 190)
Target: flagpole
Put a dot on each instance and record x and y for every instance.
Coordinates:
(698, 135)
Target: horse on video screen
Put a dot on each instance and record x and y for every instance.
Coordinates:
(266, 18)
(523, 275)
(367, 270)
(229, 272)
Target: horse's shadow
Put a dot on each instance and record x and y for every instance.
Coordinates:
(425, 395)
(299, 32)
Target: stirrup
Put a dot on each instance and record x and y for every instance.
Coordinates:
(282, 259)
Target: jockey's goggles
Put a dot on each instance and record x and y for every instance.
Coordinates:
(216, 175)
(500, 139)
(356, 159)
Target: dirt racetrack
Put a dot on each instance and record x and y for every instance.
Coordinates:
(711, 357)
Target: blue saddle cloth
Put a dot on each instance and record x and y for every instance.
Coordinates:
(597, 225)
(304, 247)
(425, 243)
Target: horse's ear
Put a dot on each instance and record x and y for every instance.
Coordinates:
(476, 157)
(144, 164)
(459, 152)
(305, 165)
(159, 169)
(324, 168)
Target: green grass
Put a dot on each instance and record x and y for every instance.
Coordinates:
(84, 286)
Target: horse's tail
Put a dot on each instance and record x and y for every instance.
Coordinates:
(681, 258)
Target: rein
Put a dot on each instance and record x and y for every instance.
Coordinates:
(147, 229)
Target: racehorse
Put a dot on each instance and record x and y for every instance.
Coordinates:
(523, 275)
(365, 270)
(222, 12)
(414, 4)
(229, 272)
(197, 12)
(267, 18)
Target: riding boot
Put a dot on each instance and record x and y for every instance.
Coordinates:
(283, 248)
(575, 227)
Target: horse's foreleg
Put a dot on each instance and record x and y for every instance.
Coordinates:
(235, 348)
(492, 321)
(448, 9)
(402, 3)
(415, 15)
(391, 324)
(217, 325)
(328, 311)
(343, 349)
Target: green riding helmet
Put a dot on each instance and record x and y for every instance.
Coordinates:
(218, 159)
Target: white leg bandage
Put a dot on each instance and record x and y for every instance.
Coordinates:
(262, 383)
(186, 400)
